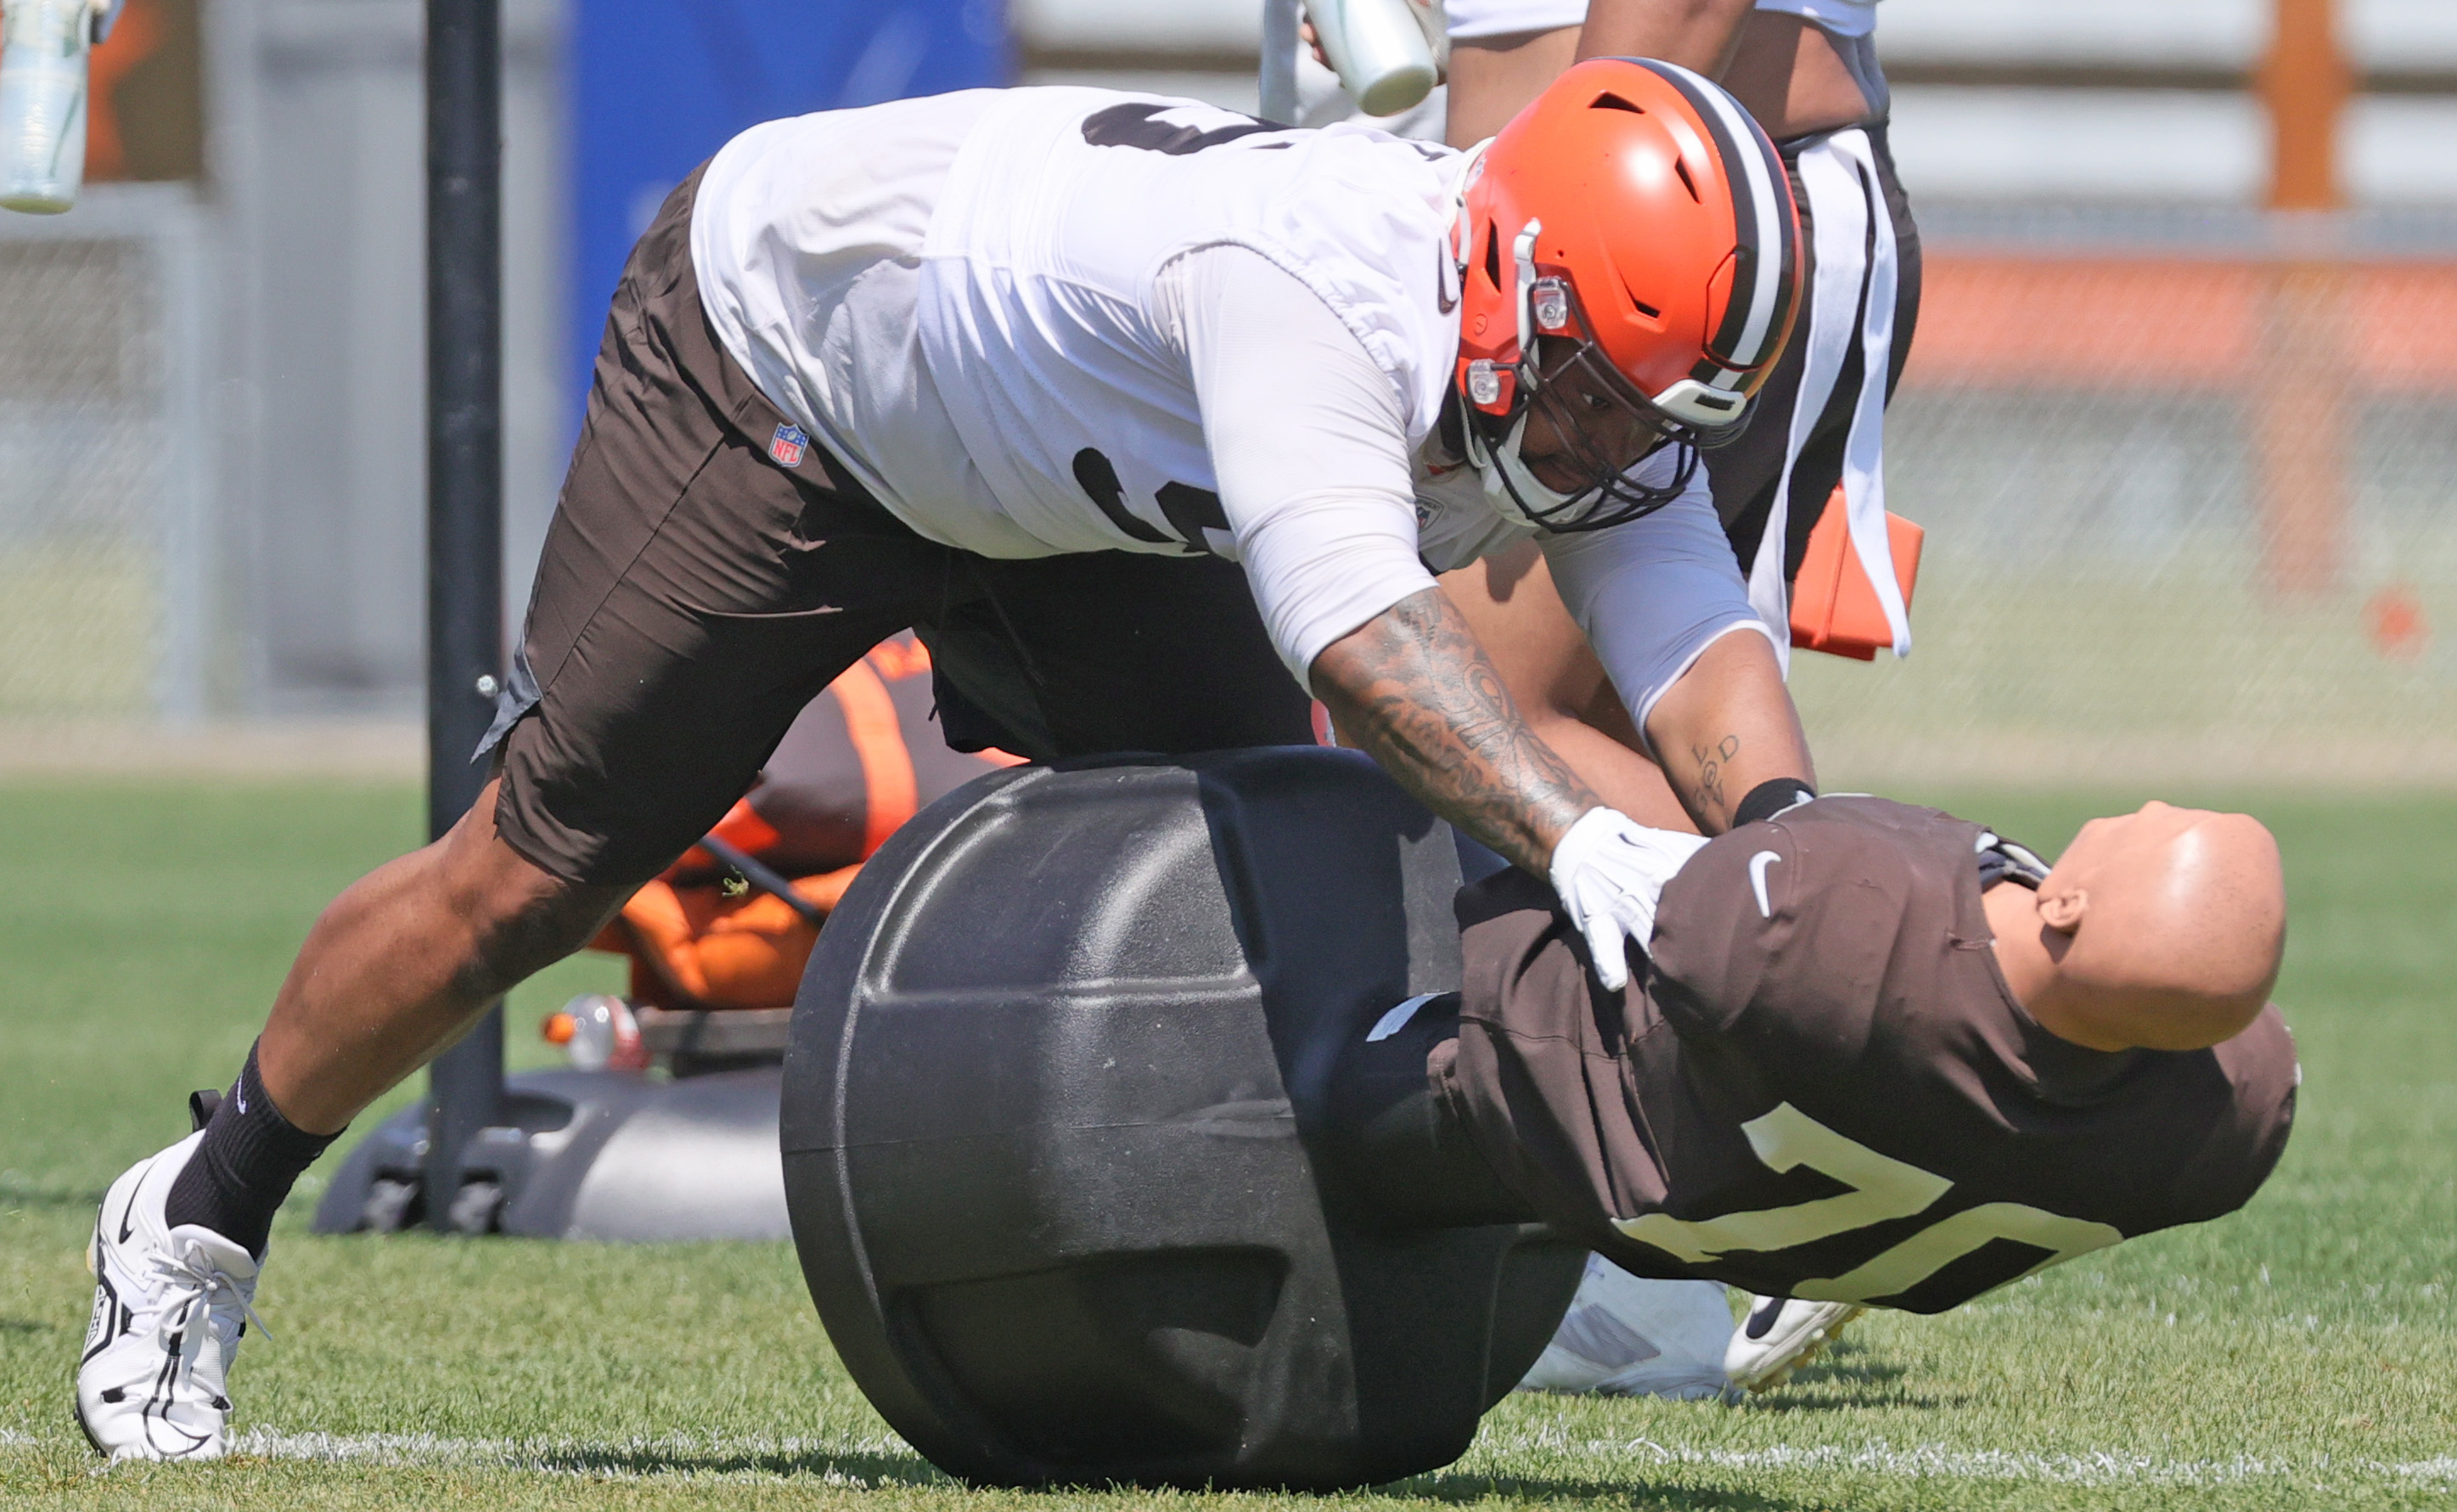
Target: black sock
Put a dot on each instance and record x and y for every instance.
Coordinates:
(244, 1166)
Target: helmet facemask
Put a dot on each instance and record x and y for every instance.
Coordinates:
(1588, 406)
(1627, 260)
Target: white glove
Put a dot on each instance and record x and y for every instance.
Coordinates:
(1609, 870)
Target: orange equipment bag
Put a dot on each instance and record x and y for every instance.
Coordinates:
(1834, 607)
(696, 946)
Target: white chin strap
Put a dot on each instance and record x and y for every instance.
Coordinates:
(1503, 462)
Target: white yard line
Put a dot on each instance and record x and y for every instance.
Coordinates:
(633, 1459)
(627, 1459)
(1932, 1462)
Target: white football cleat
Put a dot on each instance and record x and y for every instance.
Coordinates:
(1780, 1336)
(170, 1306)
(1626, 1336)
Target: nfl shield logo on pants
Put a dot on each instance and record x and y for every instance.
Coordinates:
(787, 444)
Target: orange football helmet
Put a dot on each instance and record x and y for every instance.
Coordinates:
(1626, 243)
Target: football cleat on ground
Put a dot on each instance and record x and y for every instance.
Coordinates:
(1625, 1335)
(1780, 1336)
(170, 1306)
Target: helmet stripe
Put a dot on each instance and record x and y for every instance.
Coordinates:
(1750, 167)
(1753, 182)
(1777, 262)
(1746, 164)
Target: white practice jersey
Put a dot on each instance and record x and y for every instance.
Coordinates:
(1047, 321)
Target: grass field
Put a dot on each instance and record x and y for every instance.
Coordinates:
(2299, 1354)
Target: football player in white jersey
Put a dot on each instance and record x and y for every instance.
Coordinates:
(1808, 70)
(1151, 420)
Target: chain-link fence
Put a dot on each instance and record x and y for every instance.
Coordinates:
(2188, 500)
(104, 466)
(2189, 515)
(79, 402)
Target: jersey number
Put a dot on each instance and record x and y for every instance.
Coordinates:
(1883, 1189)
(1187, 509)
(1177, 130)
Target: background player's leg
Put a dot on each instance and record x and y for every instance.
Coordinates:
(1491, 78)
(1725, 726)
(1512, 605)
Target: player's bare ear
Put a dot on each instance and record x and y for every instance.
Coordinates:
(2063, 911)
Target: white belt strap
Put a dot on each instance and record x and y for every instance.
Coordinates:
(1846, 205)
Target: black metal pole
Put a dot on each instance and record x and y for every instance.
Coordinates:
(465, 503)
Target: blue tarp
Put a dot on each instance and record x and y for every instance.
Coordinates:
(658, 86)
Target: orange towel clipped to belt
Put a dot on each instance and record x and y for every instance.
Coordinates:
(1834, 607)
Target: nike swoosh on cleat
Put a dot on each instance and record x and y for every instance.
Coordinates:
(128, 1212)
(1762, 1322)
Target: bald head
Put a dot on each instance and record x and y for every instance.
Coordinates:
(2160, 930)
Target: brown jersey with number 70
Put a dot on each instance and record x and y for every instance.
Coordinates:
(1821, 1086)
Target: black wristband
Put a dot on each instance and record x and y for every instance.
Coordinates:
(1769, 798)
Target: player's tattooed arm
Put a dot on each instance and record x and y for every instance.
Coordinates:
(1727, 726)
(1703, 793)
(1413, 686)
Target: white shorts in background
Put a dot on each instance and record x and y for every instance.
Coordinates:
(1501, 18)
(1845, 18)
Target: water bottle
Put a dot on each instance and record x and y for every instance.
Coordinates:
(44, 45)
(598, 1031)
(1378, 50)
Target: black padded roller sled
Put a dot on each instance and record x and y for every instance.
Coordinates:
(1095, 1173)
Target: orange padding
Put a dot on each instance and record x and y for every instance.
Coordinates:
(2187, 324)
(696, 947)
(742, 828)
(1834, 607)
(877, 735)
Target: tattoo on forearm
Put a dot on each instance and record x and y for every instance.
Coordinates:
(1707, 797)
(1415, 689)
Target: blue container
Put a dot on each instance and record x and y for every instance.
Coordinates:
(658, 86)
